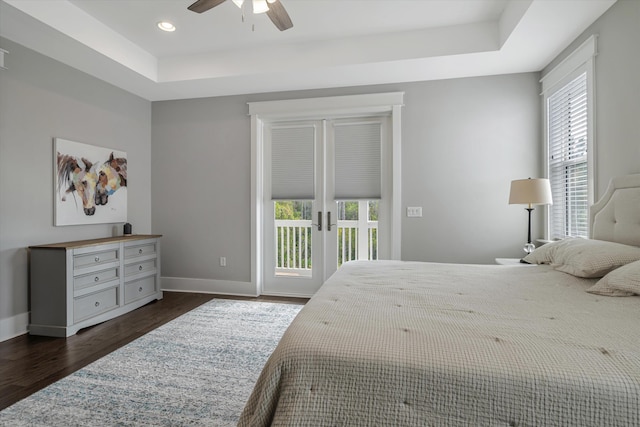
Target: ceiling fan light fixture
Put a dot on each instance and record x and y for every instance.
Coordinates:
(260, 6)
(166, 26)
(238, 3)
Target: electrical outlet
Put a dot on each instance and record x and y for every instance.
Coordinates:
(414, 212)
(223, 261)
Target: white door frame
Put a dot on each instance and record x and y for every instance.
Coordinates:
(314, 108)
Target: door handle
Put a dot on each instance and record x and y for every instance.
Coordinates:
(319, 224)
(329, 221)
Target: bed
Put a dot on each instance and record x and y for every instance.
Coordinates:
(412, 343)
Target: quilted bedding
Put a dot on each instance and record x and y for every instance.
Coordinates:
(407, 343)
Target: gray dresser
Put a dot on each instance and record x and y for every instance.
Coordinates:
(78, 284)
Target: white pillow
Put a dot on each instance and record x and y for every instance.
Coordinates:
(621, 282)
(584, 257)
(545, 254)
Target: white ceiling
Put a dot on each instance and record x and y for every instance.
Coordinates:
(333, 43)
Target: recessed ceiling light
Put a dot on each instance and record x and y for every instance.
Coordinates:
(166, 26)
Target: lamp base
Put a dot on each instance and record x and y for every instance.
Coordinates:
(529, 247)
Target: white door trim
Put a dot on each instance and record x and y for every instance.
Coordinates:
(316, 108)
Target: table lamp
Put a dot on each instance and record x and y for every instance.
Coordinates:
(530, 192)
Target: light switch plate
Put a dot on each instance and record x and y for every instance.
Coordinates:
(414, 212)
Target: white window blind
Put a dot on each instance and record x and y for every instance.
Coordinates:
(292, 163)
(567, 118)
(357, 161)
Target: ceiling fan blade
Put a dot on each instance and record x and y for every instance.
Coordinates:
(279, 16)
(204, 5)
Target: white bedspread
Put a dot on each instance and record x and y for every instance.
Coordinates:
(408, 343)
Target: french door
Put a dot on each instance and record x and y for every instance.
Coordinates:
(325, 199)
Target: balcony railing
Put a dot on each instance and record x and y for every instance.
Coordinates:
(293, 244)
(350, 245)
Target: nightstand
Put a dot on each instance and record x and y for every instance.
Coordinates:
(512, 261)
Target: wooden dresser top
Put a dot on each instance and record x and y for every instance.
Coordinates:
(93, 242)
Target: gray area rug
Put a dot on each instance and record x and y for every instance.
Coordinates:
(196, 370)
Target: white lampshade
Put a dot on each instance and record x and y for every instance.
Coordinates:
(530, 192)
(260, 6)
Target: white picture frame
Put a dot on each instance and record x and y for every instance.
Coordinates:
(90, 184)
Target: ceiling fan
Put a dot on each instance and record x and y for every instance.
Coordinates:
(273, 8)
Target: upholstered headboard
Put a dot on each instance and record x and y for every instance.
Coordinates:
(616, 216)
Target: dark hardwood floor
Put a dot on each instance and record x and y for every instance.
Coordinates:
(29, 363)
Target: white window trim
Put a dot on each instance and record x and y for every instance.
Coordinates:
(326, 107)
(580, 60)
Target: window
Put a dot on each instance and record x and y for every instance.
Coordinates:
(568, 154)
(568, 93)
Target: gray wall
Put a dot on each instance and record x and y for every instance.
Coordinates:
(617, 86)
(201, 160)
(41, 99)
(463, 141)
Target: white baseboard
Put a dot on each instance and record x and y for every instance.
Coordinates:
(14, 326)
(209, 286)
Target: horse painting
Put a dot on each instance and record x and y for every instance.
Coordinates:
(89, 183)
(92, 182)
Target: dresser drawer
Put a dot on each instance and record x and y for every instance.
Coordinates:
(139, 267)
(81, 282)
(139, 289)
(94, 258)
(94, 304)
(139, 250)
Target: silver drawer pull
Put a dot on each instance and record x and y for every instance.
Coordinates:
(97, 259)
(140, 268)
(140, 289)
(97, 303)
(96, 279)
